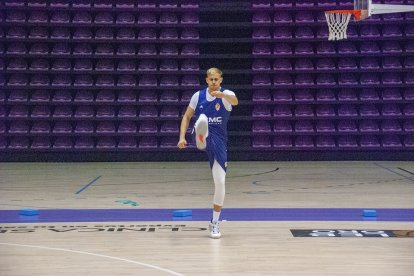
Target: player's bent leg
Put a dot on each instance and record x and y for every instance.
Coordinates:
(201, 131)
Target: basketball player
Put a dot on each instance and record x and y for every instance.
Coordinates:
(212, 107)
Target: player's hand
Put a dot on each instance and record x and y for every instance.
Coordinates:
(217, 94)
(182, 144)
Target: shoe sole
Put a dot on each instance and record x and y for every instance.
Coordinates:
(201, 133)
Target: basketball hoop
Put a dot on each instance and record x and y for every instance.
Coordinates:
(338, 22)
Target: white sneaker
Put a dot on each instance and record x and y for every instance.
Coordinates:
(214, 228)
(201, 131)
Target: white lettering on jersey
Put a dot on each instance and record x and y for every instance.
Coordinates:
(215, 120)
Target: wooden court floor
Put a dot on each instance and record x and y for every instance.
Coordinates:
(174, 247)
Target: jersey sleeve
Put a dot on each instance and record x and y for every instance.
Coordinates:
(194, 101)
(228, 105)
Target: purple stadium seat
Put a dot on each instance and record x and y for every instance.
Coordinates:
(82, 17)
(81, 49)
(369, 47)
(127, 127)
(170, 127)
(60, 33)
(368, 94)
(39, 96)
(347, 94)
(281, 33)
(408, 110)
(18, 96)
(84, 96)
(147, 18)
(303, 95)
(347, 110)
(38, 33)
(390, 126)
(168, 50)
(261, 96)
(148, 96)
(282, 95)
(304, 16)
(369, 31)
(127, 143)
(148, 127)
(189, 80)
(347, 142)
(148, 142)
(80, 65)
(304, 127)
(325, 126)
(126, 65)
(261, 127)
(325, 64)
(409, 94)
(17, 127)
(261, 33)
(304, 79)
(83, 80)
(126, 50)
(261, 3)
(282, 126)
(186, 96)
(41, 143)
(60, 17)
(409, 30)
(17, 64)
(261, 49)
(189, 18)
(59, 49)
(409, 62)
(84, 127)
(62, 127)
(322, 32)
(391, 47)
(368, 110)
(169, 97)
(325, 111)
(62, 80)
(169, 112)
(408, 126)
(189, 4)
(16, 16)
(369, 141)
(304, 33)
(84, 111)
(190, 50)
(261, 65)
(304, 142)
(261, 111)
(347, 64)
(84, 143)
(147, 65)
(103, 18)
(125, 34)
(19, 111)
(40, 111)
(393, 31)
(391, 94)
(82, 33)
(18, 48)
(147, 34)
(106, 143)
(303, 64)
(105, 127)
(189, 34)
(283, 3)
(325, 79)
(368, 125)
(261, 80)
(390, 110)
(125, 18)
(347, 126)
(170, 81)
(325, 95)
(261, 17)
(19, 143)
(409, 78)
(104, 33)
(189, 65)
(127, 81)
(304, 111)
(347, 47)
(282, 65)
(148, 112)
(282, 142)
(2, 111)
(105, 112)
(17, 80)
(105, 96)
(391, 78)
(347, 79)
(168, 18)
(325, 48)
(282, 49)
(105, 81)
(279, 79)
(16, 33)
(127, 111)
(369, 63)
(282, 111)
(104, 50)
(63, 143)
(391, 141)
(369, 79)
(261, 142)
(147, 81)
(325, 142)
(409, 141)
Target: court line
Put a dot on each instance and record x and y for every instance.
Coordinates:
(94, 254)
(87, 185)
(406, 171)
(409, 178)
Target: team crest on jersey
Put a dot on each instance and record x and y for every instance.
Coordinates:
(217, 106)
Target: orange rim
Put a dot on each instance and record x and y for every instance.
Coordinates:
(356, 13)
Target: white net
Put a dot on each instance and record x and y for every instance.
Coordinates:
(337, 24)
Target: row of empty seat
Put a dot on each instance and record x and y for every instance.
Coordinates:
(107, 18)
(308, 16)
(325, 110)
(89, 111)
(101, 33)
(329, 142)
(317, 3)
(326, 48)
(75, 50)
(102, 65)
(101, 96)
(103, 4)
(89, 127)
(330, 126)
(105, 143)
(328, 95)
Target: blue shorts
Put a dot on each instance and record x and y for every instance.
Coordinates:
(216, 150)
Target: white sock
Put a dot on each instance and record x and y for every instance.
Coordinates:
(216, 216)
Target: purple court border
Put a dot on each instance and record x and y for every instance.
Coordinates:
(230, 214)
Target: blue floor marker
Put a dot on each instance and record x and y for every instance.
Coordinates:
(29, 212)
(182, 213)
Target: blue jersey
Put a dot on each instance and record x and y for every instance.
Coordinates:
(218, 116)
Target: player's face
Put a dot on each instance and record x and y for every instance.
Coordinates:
(214, 81)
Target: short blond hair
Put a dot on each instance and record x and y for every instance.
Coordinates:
(214, 70)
